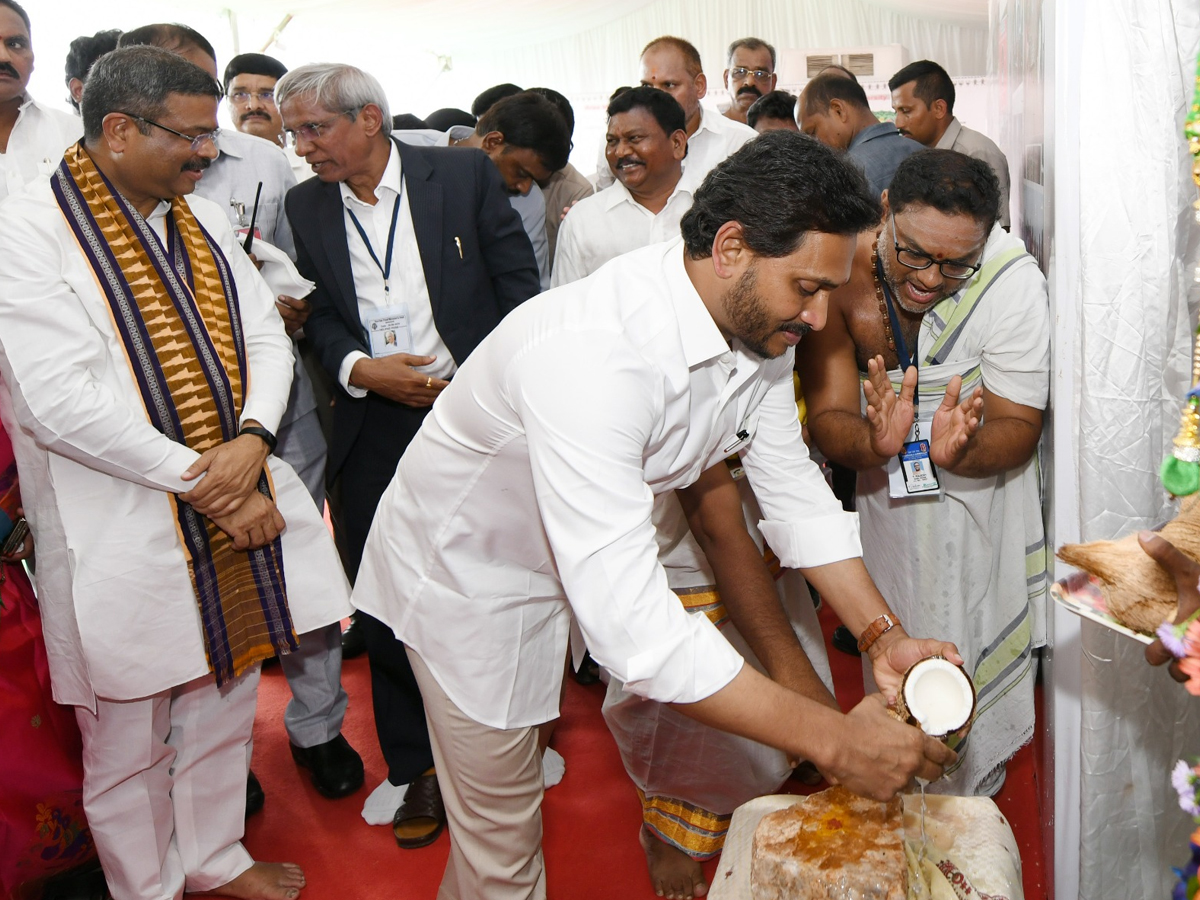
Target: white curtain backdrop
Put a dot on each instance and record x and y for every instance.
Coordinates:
(1137, 255)
(431, 54)
(605, 57)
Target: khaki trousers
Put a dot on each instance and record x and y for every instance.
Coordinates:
(164, 787)
(491, 782)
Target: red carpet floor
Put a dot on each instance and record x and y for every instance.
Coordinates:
(591, 819)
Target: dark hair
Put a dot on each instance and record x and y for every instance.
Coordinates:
(561, 103)
(530, 121)
(138, 80)
(749, 44)
(932, 82)
(691, 56)
(20, 11)
(492, 96)
(948, 181)
(169, 37)
(85, 50)
(775, 105)
(839, 71)
(447, 117)
(824, 89)
(253, 64)
(779, 186)
(666, 109)
(618, 92)
(407, 122)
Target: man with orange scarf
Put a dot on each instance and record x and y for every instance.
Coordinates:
(145, 370)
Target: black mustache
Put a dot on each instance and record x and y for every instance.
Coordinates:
(750, 89)
(7, 69)
(256, 114)
(199, 164)
(629, 160)
(797, 328)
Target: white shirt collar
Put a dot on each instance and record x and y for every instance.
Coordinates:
(699, 334)
(392, 180)
(616, 194)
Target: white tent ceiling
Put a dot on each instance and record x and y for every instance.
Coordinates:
(431, 53)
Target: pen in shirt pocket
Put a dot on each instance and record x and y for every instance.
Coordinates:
(458, 244)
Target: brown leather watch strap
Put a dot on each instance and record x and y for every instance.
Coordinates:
(875, 631)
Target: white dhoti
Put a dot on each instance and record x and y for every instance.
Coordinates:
(969, 566)
(691, 777)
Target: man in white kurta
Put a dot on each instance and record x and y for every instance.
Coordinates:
(527, 496)
(32, 135)
(673, 65)
(165, 750)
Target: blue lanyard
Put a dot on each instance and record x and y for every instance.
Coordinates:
(906, 360)
(385, 268)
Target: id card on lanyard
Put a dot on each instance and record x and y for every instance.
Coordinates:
(387, 328)
(912, 473)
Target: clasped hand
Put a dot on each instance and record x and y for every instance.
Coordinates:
(890, 416)
(231, 471)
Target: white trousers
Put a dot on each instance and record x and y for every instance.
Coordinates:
(491, 783)
(164, 787)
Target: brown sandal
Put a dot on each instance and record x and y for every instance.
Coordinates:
(421, 817)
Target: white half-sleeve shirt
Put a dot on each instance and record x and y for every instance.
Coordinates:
(527, 495)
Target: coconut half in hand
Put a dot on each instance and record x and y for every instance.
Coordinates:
(938, 697)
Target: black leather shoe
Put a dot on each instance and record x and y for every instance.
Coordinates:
(354, 642)
(255, 798)
(843, 640)
(337, 769)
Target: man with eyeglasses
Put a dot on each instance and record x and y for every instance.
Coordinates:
(250, 90)
(945, 323)
(673, 65)
(144, 371)
(749, 74)
(421, 242)
(313, 718)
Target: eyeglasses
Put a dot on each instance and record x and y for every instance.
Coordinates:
(914, 260)
(311, 131)
(196, 140)
(756, 74)
(241, 97)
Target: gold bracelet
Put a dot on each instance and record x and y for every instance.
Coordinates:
(875, 631)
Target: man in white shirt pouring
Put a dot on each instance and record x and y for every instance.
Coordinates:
(527, 495)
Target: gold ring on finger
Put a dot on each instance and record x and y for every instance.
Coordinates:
(429, 381)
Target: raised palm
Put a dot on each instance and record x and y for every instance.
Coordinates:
(954, 424)
(889, 415)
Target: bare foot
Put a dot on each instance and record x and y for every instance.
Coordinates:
(262, 881)
(673, 873)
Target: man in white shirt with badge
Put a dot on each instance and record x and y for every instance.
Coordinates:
(673, 65)
(646, 143)
(525, 501)
(32, 137)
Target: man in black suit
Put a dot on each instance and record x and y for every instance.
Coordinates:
(422, 243)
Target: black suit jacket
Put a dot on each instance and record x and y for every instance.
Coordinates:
(452, 193)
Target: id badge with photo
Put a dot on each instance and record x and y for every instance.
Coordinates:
(388, 331)
(912, 473)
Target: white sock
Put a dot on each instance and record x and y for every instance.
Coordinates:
(553, 767)
(381, 806)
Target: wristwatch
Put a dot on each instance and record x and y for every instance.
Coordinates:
(875, 631)
(259, 431)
